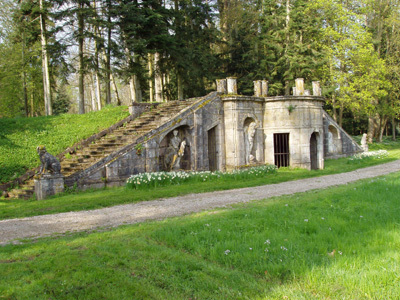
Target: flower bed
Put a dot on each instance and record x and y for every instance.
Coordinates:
(151, 180)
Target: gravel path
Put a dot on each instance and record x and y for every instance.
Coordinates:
(13, 229)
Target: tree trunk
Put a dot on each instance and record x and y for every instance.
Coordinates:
(93, 92)
(341, 109)
(25, 93)
(114, 85)
(180, 87)
(382, 129)
(151, 84)
(97, 65)
(158, 78)
(45, 63)
(371, 130)
(81, 103)
(393, 129)
(108, 55)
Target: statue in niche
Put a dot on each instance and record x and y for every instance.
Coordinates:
(250, 133)
(174, 153)
(364, 144)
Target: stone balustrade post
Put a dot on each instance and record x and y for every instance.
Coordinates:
(257, 88)
(222, 86)
(264, 88)
(316, 88)
(299, 86)
(48, 184)
(231, 86)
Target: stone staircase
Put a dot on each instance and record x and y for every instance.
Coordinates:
(108, 144)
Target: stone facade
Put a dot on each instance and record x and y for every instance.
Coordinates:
(224, 131)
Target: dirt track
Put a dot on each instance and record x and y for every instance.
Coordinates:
(13, 229)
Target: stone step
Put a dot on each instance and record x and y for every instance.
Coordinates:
(120, 137)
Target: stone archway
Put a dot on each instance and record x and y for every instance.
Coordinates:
(334, 145)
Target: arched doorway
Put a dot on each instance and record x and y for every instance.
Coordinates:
(314, 151)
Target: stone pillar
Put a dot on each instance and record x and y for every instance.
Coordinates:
(221, 86)
(316, 88)
(257, 88)
(307, 93)
(48, 184)
(294, 91)
(264, 89)
(231, 86)
(299, 87)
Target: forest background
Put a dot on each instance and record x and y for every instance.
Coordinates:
(80, 55)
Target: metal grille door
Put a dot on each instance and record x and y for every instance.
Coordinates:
(281, 149)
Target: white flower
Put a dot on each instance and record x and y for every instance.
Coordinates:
(322, 218)
(305, 220)
(251, 248)
(227, 252)
(267, 242)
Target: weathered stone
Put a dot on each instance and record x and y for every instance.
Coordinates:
(48, 185)
(299, 87)
(231, 86)
(264, 89)
(257, 88)
(316, 88)
(222, 86)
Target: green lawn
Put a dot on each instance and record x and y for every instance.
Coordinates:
(272, 249)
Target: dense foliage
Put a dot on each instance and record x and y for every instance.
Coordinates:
(156, 50)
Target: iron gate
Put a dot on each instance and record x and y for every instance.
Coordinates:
(281, 149)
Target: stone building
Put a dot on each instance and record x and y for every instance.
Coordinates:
(224, 131)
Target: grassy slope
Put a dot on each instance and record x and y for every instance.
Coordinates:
(19, 137)
(187, 257)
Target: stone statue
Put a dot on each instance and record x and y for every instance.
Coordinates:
(176, 163)
(364, 144)
(250, 132)
(172, 151)
(49, 164)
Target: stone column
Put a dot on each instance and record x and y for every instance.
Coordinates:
(257, 88)
(299, 87)
(264, 89)
(316, 88)
(231, 86)
(221, 86)
(48, 184)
